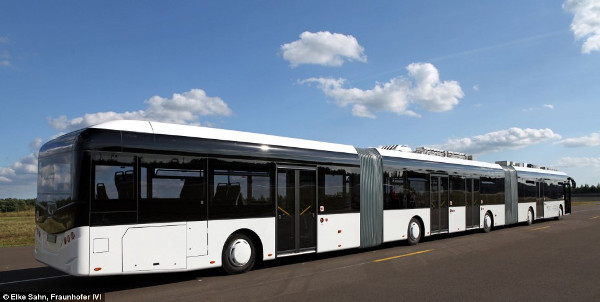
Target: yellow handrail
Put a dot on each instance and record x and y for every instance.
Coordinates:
(284, 211)
(305, 210)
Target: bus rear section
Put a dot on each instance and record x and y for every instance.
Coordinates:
(61, 237)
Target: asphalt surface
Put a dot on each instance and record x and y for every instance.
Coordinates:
(549, 260)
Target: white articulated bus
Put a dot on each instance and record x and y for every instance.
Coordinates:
(129, 197)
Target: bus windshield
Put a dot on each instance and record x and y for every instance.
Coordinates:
(54, 208)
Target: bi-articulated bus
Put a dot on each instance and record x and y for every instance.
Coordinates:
(128, 197)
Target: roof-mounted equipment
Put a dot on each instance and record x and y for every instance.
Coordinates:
(401, 148)
(524, 165)
(443, 153)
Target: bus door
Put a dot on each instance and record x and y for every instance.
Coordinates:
(539, 213)
(567, 196)
(472, 210)
(439, 203)
(296, 210)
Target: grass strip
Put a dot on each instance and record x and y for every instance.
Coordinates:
(17, 228)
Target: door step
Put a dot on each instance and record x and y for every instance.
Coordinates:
(287, 254)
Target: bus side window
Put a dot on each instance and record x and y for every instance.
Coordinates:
(241, 189)
(457, 191)
(394, 191)
(492, 190)
(114, 188)
(418, 190)
(339, 189)
(114, 193)
(172, 188)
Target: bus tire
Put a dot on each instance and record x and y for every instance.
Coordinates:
(239, 254)
(529, 216)
(487, 222)
(414, 232)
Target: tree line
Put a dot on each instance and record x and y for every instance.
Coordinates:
(16, 205)
(587, 189)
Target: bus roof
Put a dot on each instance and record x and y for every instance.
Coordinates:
(221, 134)
(159, 128)
(433, 158)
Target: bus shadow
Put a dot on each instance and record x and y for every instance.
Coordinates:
(48, 280)
(17, 276)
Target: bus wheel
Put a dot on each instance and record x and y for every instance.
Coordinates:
(530, 217)
(239, 254)
(487, 222)
(414, 232)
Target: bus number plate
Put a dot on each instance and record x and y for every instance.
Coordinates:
(52, 238)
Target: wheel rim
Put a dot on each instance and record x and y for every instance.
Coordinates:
(240, 252)
(529, 217)
(487, 221)
(415, 231)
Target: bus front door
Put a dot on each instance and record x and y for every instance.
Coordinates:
(296, 210)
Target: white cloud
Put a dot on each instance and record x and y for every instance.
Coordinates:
(391, 96)
(545, 106)
(5, 58)
(4, 54)
(585, 170)
(323, 48)
(513, 138)
(6, 173)
(20, 178)
(194, 102)
(586, 22)
(184, 108)
(429, 92)
(27, 164)
(35, 144)
(423, 87)
(585, 162)
(591, 140)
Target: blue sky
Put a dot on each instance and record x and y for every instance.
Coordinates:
(504, 80)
